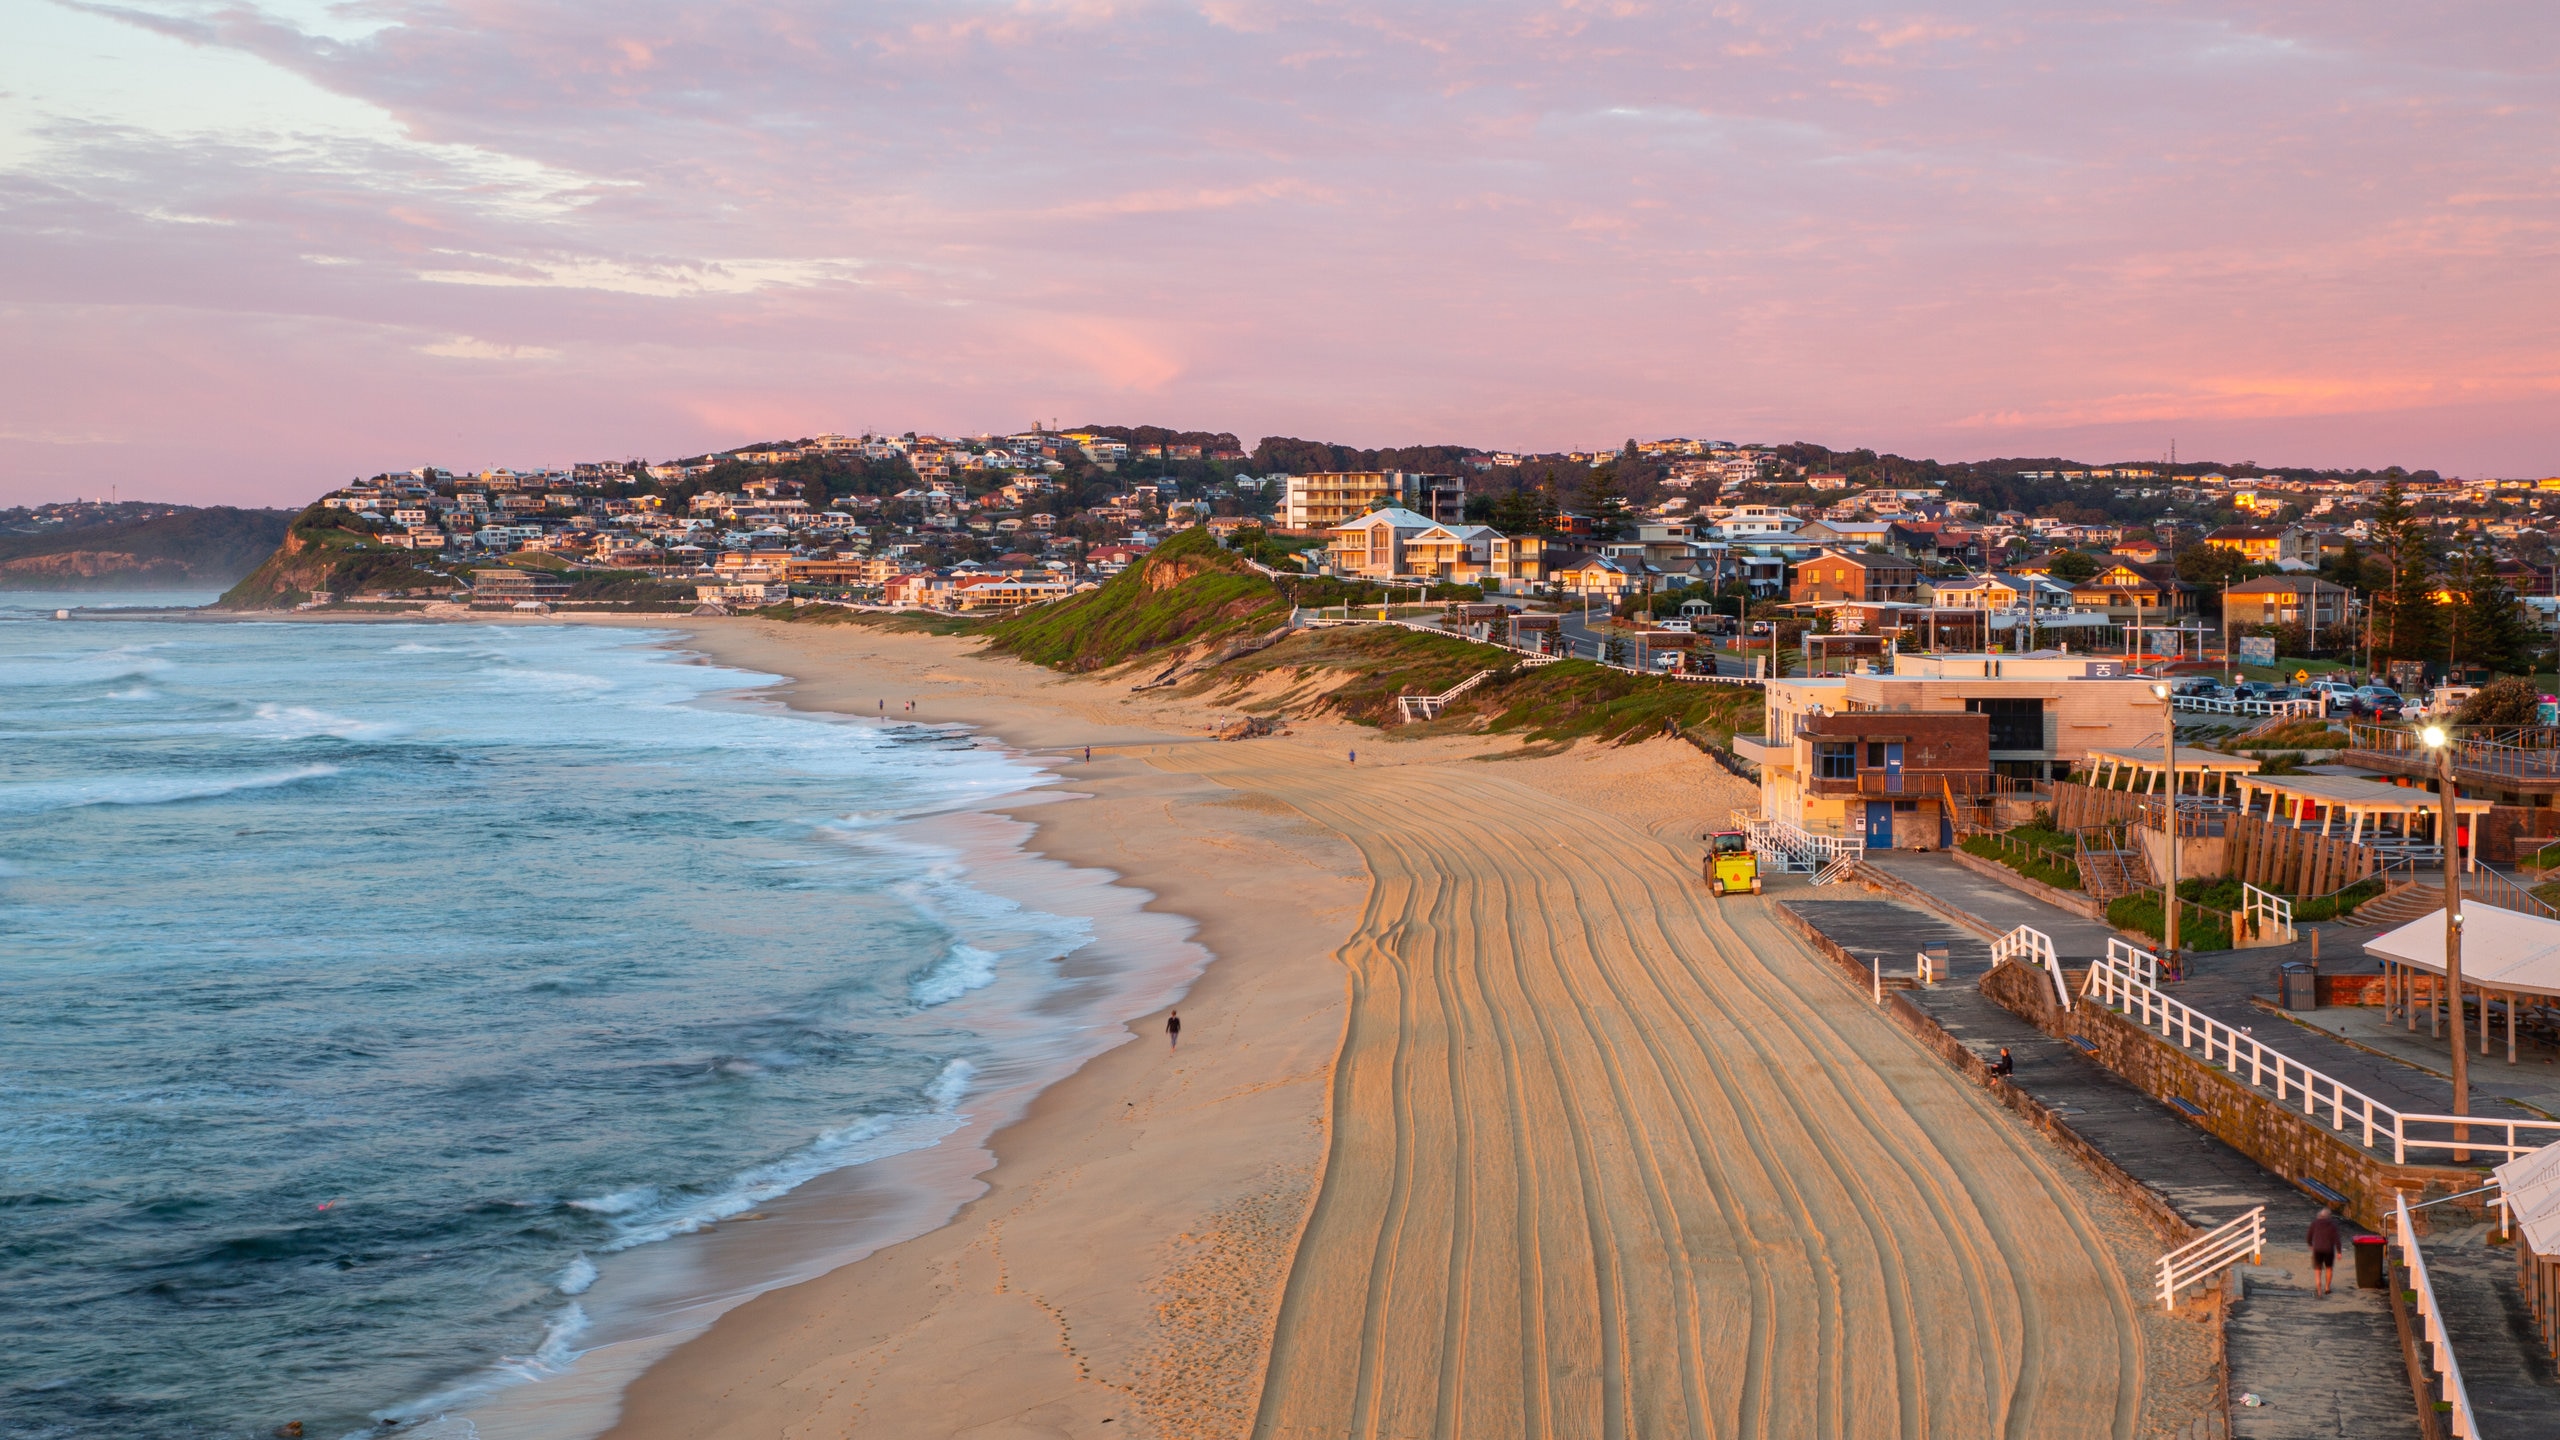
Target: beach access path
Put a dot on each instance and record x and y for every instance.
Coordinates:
(1536, 1139)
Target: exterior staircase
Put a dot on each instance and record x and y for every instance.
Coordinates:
(2409, 900)
(1428, 707)
(2107, 868)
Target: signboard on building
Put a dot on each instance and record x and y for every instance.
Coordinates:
(2257, 649)
(2103, 670)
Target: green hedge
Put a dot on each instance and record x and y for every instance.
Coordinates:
(2061, 874)
(2198, 929)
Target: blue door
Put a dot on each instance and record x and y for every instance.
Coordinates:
(1893, 767)
(1879, 824)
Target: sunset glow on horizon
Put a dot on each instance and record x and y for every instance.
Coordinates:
(255, 248)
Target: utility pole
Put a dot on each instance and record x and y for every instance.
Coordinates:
(2442, 743)
(2169, 893)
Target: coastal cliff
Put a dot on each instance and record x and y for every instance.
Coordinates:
(138, 547)
(316, 555)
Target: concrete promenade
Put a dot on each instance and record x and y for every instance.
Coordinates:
(2323, 1367)
(2508, 1377)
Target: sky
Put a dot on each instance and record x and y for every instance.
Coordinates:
(250, 250)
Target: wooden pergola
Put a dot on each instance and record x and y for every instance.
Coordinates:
(2297, 800)
(2146, 774)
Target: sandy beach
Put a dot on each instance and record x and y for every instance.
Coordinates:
(1485, 1120)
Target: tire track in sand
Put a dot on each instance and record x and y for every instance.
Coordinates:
(1608, 1159)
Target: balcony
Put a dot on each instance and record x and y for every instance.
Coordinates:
(1907, 784)
(1768, 754)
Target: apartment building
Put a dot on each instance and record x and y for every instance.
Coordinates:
(1853, 575)
(2314, 604)
(1329, 498)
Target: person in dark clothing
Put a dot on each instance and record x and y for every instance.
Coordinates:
(1173, 1029)
(2004, 1067)
(2324, 1252)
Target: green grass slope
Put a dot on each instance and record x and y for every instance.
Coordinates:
(1187, 592)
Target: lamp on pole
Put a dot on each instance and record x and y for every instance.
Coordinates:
(2169, 893)
(2437, 740)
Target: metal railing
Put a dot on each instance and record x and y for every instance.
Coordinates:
(2422, 867)
(2211, 1253)
(2033, 948)
(2431, 1323)
(2508, 752)
(1839, 867)
(2215, 705)
(2264, 1068)
(2268, 912)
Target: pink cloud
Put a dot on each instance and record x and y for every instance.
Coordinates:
(2315, 230)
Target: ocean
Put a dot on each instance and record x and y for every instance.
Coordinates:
(374, 989)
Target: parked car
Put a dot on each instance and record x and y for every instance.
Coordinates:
(2381, 702)
(1676, 627)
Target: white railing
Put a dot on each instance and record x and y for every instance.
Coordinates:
(2263, 1067)
(2268, 912)
(2033, 948)
(2212, 1252)
(2143, 965)
(1783, 846)
(2209, 705)
(1840, 866)
(1428, 707)
(2431, 1321)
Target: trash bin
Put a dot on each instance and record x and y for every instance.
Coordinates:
(2300, 985)
(2369, 1267)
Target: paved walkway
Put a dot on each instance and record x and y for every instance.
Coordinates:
(2219, 983)
(2493, 1332)
(2324, 1367)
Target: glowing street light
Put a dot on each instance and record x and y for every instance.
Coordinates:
(2436, 739)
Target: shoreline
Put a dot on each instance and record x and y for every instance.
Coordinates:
(1109, 827)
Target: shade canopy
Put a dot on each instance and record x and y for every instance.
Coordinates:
(2190, 759)
(2501, 949)
(2371, 797)
(2532, 1185)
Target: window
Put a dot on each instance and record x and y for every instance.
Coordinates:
(1835, 760)
(2015, 724)
(1875, 754)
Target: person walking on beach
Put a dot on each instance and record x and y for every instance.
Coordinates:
(2324, 1252)
(1173, 1029)
(1088, 754)
(1355, 757)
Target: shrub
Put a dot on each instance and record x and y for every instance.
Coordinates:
(2061, 874)
(2198, 929)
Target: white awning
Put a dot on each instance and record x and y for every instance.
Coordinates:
(2532, 1185)
(2501, 949)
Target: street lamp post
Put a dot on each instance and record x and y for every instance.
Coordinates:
(2169, 893)
(2437, 740)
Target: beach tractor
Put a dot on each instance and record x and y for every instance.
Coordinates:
(1730, 865)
